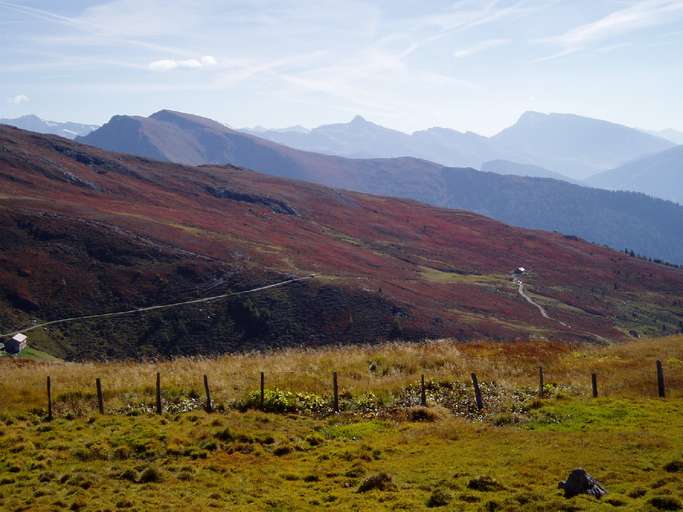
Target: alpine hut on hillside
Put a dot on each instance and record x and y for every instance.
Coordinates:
(18, 343)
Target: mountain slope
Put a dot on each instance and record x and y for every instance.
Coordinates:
(531, 171)
(68, 130)
(90, 231)
(576, 146)
(183, 138)
(669, 134)
(659, 175)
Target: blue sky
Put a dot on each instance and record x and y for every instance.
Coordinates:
(468, 65)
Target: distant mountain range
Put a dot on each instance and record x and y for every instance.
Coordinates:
(671, 135)
(567, 145)
(659, 175)
(68, 130)
(87, 231)
(621, 220)
(517, 169)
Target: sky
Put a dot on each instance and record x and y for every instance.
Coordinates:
(467, 65)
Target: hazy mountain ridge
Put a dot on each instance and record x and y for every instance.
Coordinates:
(521, 201)
(564, 144)
(669, 134)
(577, 146)
(69, 130)
(517, 169)
(659, 175)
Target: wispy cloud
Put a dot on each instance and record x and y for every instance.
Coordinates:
(637, 16)
(19, 99)
(169, 64)
(480, 47)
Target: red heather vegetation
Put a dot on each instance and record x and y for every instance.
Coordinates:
(88, 230)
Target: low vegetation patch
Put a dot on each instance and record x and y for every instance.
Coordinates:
(382, 451)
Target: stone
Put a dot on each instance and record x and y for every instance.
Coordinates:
(580, 482)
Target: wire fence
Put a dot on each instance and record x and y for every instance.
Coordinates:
(316, 392)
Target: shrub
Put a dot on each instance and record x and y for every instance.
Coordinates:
(485, 484)
(675, 466)
(638, 492)
(150, 475)
(224, 435)
(380, 481)
(420, 413)
(666, 503)
(130, 475)
(282, 450)
(276, 400)
(439, 498)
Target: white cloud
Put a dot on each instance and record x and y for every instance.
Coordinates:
(637, 16)
(480, 47)
(168, 64)
(19, 99)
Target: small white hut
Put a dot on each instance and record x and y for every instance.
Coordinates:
(18, 343)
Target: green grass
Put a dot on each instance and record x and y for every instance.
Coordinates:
(269, 462)
(441, 277)
(32, 354)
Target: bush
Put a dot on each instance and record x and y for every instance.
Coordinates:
(380, 481)
(150, 475)
(224, 435)
(485, 484)
(276, 400)
(675, 466)
(439, 498)
(666, 503)
(282, 450)
(420, 413)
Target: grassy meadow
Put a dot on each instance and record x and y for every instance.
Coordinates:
(383, 451)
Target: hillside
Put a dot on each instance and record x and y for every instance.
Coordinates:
(647, 226)
(68, 129)
(517, 169)
(576, 146)
(88, 231)
(659, 175)
(108, 231)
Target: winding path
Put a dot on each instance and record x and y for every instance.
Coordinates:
(541, 309)
(153, 308)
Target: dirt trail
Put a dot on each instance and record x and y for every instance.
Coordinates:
(541, 309)
(153, 308)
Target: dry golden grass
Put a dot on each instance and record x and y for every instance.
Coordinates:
(624, 370)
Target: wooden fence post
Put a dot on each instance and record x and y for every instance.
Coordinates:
(423, 392)
(159, 410)
(49, 399)
(263, 390)
(335, 392)
(660, 380)
(594, 384)
(477, 392)
(100, 397)
(209, 405)
(540, 382)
